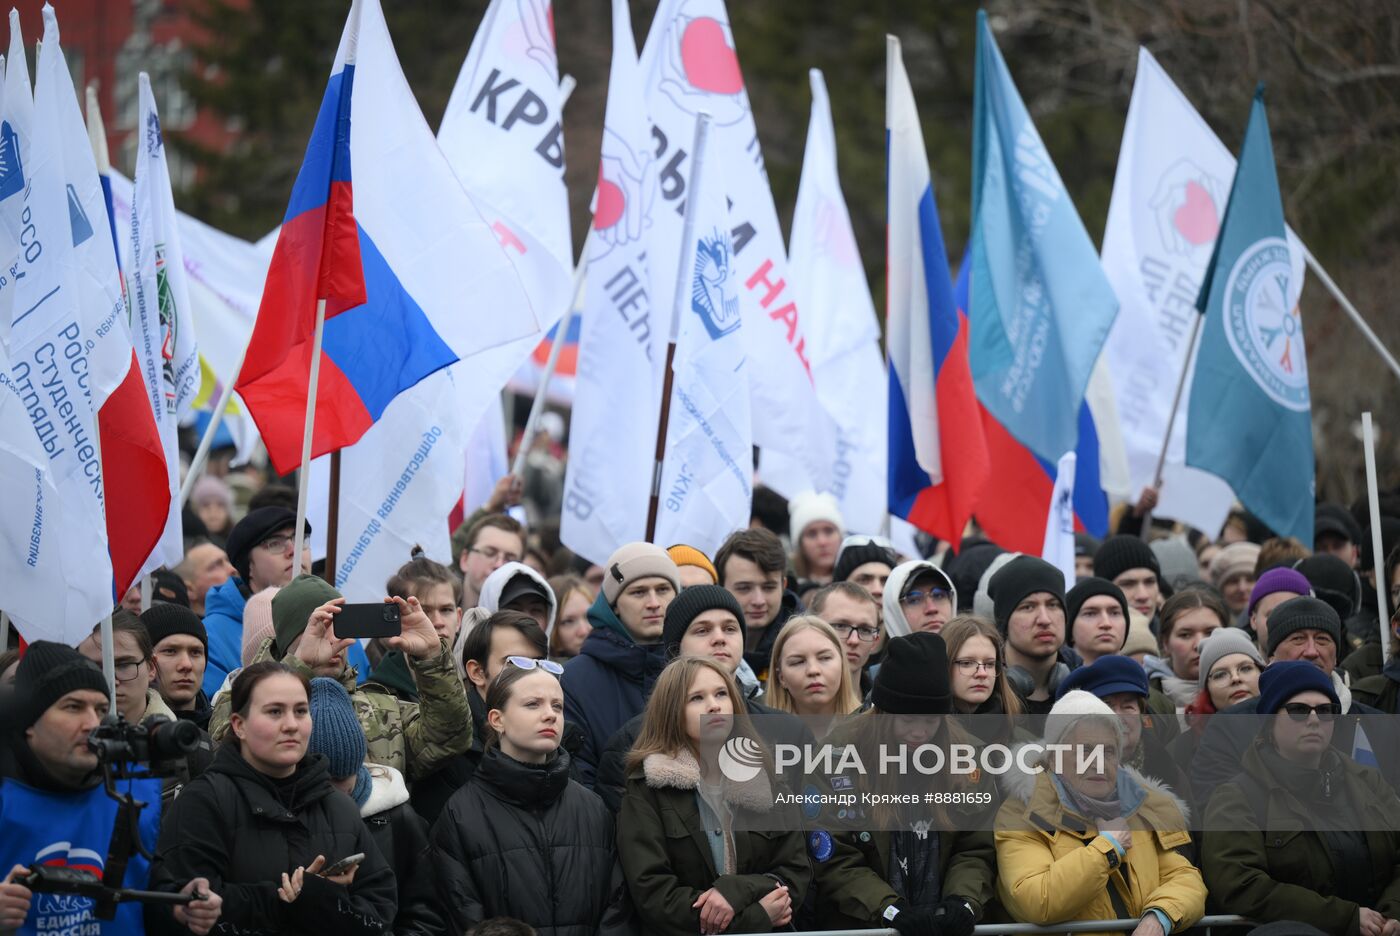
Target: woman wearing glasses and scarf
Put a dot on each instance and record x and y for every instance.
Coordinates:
(1280, 841)
(521, 839)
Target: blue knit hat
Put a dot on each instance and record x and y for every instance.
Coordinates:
(1283, 680)
(1106, 676)
(336, 733)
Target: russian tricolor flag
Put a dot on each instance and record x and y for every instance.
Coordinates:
(938, 457)
(377, 340)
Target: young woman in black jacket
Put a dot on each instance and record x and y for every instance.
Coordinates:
(521, 839)
(264, 820)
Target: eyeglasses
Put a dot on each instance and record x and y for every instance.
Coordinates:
(866, 634)
(529, 663)
(491, 554)
(1219, 677)
(126, 672)
(1299, 711)
(276, 544)
(970, 667)
(915, 598)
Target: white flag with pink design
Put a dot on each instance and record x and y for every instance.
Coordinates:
(691, 64)
(1169, 195)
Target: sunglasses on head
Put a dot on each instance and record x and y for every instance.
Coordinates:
(1299, 711)
(529, 663)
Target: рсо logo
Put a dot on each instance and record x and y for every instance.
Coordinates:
(741, 759)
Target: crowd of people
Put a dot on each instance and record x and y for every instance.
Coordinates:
(535, 751)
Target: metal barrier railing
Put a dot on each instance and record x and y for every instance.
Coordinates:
(1031, 929)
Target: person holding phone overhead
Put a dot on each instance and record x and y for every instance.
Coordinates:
(264, 824)
(414, 738)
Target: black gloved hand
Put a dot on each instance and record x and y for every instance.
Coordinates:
(953, 918)
(910, 922)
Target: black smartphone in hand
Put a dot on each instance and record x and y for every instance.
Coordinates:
(368, 620)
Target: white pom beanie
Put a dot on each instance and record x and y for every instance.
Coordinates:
(809, 507)
(1072, 708)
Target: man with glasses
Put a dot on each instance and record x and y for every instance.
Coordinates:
(919, 596)
(855, 616)
(490, 542)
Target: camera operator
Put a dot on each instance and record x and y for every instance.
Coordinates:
(53, 808)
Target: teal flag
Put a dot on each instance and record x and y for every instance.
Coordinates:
(1250, 420)
(1040, 306)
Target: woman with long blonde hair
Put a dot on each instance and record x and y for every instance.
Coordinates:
(720, 878)
(808, 674)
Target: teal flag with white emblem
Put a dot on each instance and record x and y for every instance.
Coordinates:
(1250, 419)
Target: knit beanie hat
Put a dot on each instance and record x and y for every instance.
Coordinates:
(809, 507)
(913, 679)
(292, 607)
(857, 554)
(1281, 579)
(1086, 544)
(257, 622)
(162, 620)
(1283, 680)
(1106, 676)
(1297, 614)
(1120, 553)
(1022, 576)
(257, 526)
(1233, 560)
(47, 672)
(1336, 519)
(168, 587)
(683, 555)
(1082, 592)
(1222, 642)
(1072, 708)
(1177, 561)
(336, 734)
(637, 561)
(690, 604)
(1140, 639)
(1333, 581)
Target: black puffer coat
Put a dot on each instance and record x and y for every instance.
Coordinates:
(525, 841)
(242, 830)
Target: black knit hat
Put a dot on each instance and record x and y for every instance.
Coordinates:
(1120, 553)
(1333, 581)
(163, 619)
(690, 604)
(1091, 588)
(48, 672)
(166, 586)
(913, 679)
(1336, 519)
(1304, 613)
(257, 526)
(1022, 576)
(853, 557)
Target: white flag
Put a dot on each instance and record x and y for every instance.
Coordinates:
(622, 339)
(160, 307)
(707, 478)
(1059, 523)
(17, 114)
(397, 486)
(1169, 197)
(503, 136)
(843, 334)
(486, 459)
(691, 65)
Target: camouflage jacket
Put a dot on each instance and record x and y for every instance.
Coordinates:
(413, 738)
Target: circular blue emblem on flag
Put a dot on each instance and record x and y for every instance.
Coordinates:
(1262, 324)
(820, 845)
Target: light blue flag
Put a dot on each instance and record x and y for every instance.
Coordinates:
(1040, 305)
(1250, 418)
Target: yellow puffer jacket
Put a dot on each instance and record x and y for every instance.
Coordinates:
(1054, 867)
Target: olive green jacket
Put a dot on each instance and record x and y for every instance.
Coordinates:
(413, 738)
(1283, 871)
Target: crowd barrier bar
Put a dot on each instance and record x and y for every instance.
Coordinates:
(1031, 929)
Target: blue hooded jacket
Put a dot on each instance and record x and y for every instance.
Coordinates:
(223, 621)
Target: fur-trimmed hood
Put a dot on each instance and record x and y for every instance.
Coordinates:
(387, 790)
(682, 772)
(1037, 791)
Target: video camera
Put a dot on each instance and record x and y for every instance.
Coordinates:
(156, 748)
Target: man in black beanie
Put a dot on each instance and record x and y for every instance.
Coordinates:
(1096, 618)
(704, 621)
(865, 562)
(54, 808)
(1028, 594)
(1130, 563)
(180, 647)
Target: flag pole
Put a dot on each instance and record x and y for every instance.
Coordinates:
(1368, 437)
(332, 518)
(4, 631)
(1146, 531)
(206, 442)
(1350, 310)
(532, 422)
(304, 476)
(685, 268)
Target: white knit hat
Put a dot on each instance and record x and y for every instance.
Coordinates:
(809, 507)
(1072, 708)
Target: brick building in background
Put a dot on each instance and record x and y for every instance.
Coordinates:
(108, 43)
